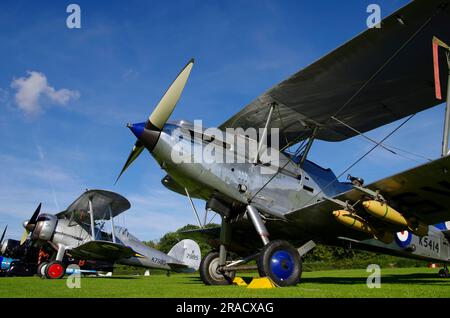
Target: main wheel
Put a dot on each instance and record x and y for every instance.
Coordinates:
(55, 270)
(281, 262)
(210, 274)
(443, 273)
(41, 269)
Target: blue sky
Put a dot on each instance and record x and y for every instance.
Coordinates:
(117, 66)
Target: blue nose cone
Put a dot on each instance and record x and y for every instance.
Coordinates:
(137, 129)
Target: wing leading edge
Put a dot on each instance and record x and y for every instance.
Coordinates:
(101, 200)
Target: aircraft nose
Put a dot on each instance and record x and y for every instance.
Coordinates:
(147, 137)
(24, 224)
(137, 129)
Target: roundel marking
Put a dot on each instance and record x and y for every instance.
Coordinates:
(403, 238)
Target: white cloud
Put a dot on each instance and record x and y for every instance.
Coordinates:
(31, 88)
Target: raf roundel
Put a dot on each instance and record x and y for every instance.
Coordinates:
(403, 238)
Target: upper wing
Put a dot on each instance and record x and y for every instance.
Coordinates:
(101, 250)
(399, 54)
(101, 200)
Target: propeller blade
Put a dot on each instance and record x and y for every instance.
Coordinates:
(161, 113)
(135, 152)
(34, 217)
(29, 227)
(3, 235)
(167, 104)
(24, 236)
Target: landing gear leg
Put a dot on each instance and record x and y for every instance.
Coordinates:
(56, 269)
(211, 266)
(258, 223)
(278, 260)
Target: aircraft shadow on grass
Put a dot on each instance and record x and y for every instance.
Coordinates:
(422, 278)
(426, 278)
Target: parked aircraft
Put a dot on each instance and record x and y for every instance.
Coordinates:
(77, 233)
(382, 75)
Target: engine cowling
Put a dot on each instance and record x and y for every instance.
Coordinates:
(9, 248)
(45, 227)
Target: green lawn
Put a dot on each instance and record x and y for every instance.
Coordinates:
(406, 282)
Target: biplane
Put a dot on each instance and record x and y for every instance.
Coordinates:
(79, 233)
(22, 257)
(381, 76)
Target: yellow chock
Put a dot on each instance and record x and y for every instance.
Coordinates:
(238, 281)
(263, 282)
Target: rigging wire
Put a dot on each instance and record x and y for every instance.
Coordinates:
(384, 146)
(382, 67)
(362, 157)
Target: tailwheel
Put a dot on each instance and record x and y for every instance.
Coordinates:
(210, 272)
(41, 269)
(55, 270)
(281, 262)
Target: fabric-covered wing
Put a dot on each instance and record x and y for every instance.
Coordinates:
(101, 201)
(101, 250)
(423, 192)
(177, 266)
(402, 87)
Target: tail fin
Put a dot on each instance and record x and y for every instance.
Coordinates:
(188, 253)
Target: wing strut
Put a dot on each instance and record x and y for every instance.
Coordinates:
(309, 145)
(113, 231)
(193, 208)
(437, 84)
(445, 150)
(264, 134)
(91, 215)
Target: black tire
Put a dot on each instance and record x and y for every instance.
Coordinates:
(209, 273)
(41, 269)
(281, 262)
(443, 273)
(55, 270)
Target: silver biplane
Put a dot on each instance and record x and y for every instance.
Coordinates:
(79, 232)
(380, 76)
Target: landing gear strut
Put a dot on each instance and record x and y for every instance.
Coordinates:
(55, 269)
(281, 262)
(212, 270)
(278, 260)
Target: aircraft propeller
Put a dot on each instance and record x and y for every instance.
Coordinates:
(3, 235)
(31, 223)
(159, 116)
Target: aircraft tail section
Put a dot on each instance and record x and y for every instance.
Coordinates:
(187, 252)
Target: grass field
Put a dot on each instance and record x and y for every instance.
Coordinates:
(406, 282)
